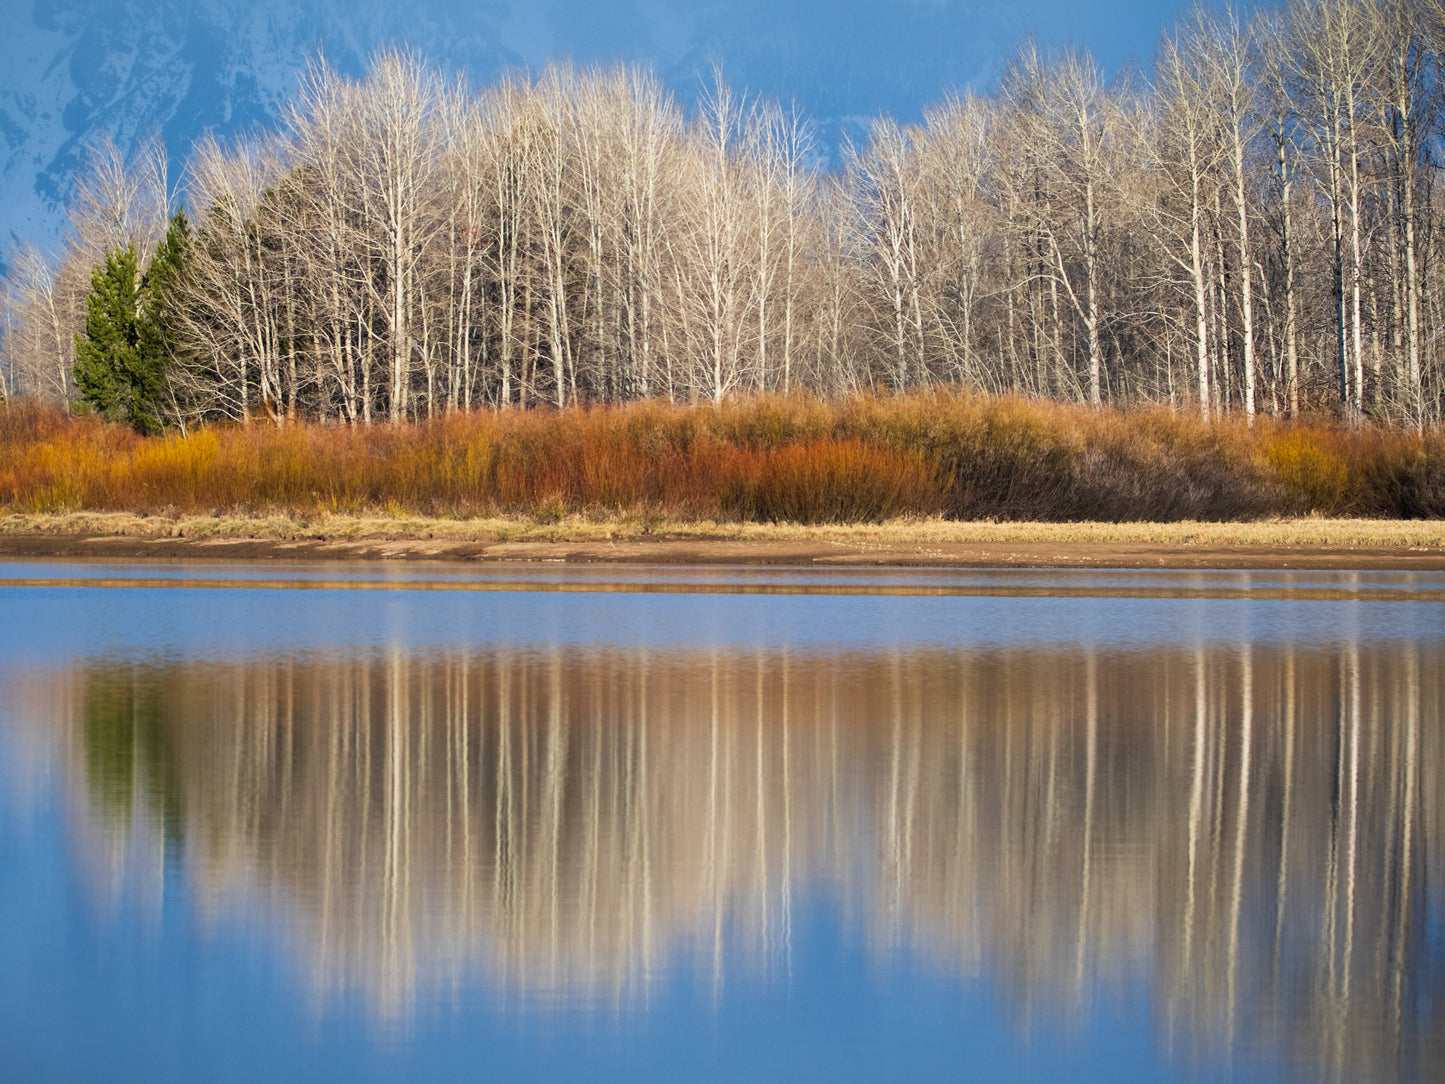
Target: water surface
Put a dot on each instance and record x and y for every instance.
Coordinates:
(383, 821)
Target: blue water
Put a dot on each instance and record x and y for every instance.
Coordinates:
(695, 607)
(165, 912)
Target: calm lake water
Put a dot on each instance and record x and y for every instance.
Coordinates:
(432, 821)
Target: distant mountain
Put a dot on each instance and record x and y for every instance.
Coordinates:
(178, 67)
(75, 68)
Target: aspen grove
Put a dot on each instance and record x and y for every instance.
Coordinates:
(1248, 228)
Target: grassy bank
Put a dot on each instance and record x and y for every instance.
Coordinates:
(864, 460)
(1293, 533)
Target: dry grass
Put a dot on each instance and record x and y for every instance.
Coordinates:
(773, 459)
(1306, 532)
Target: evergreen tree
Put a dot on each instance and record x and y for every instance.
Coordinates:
(108, 353)
(122, 360)
(155, 326)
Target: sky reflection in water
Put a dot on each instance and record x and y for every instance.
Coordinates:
(620, 830)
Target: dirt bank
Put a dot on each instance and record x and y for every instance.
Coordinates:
(1310, 543)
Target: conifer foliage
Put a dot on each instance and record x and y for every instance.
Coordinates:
(107, 355)
(156, 323)
(121, 358)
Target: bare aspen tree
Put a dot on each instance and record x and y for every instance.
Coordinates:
(884, 177)
(600, 372)
(792, 145)
(320, 127)
(1067, 114)
(503, 252)
(775, 146)
(119, 201)
(1282, 130)
(1402, 91)
(396, 159)
(216, 321)
(9, 328)
(285, 244)
(839, 364)
(234, 292)
(762, 180)
(717, 255)
(546, 143)
(1187, 153)
(1020, 339)
(1225, 52)
(451, 266)
(1335, 57)
(48, 308)
(955, 158)
(649, 147)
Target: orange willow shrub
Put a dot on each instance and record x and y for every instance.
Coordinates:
(1419, 479)
(1013, 458)
(768, 458)
(49, 461)
(831, 481)
(1369, 472)
(1312, 466)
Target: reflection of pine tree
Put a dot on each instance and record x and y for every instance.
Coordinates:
(121, 360)
(128, 749)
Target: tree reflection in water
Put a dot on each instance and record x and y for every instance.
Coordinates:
(1257, 833)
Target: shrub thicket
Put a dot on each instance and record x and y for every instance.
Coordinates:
(775, 458)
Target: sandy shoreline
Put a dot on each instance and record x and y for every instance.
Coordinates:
(1281, 544)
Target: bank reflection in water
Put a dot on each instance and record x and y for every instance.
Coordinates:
(1256, 833)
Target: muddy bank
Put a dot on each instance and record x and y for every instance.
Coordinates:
(928, 546)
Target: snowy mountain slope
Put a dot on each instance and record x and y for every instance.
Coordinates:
(76, 68)
(81, 67)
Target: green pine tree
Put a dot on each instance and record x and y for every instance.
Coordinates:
(122, 361)
(155, 326)
(107, 353)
